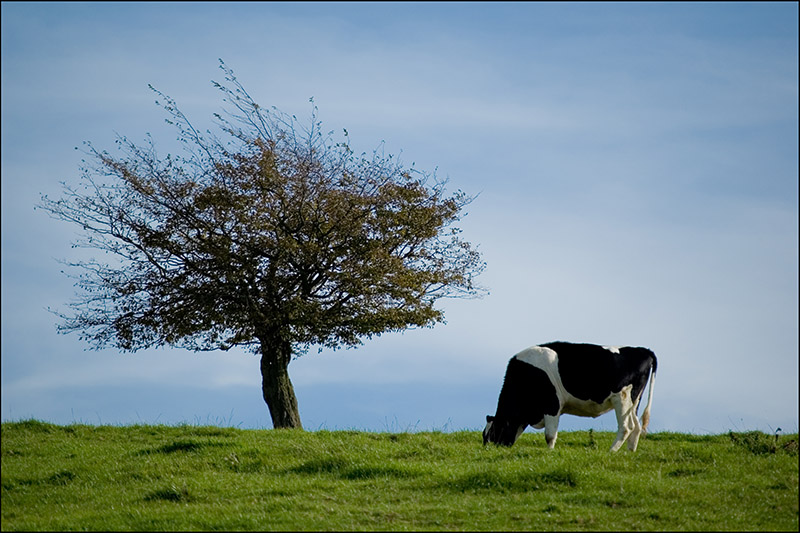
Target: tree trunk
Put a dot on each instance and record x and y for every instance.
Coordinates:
(276, 385)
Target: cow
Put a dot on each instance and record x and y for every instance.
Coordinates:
(545, 381)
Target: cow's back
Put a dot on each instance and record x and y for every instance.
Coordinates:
(592, 372)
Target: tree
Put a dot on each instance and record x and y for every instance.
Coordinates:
(275, 239)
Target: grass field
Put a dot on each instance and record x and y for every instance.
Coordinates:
(82, 477)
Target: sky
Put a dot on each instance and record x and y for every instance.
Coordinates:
(635, 167)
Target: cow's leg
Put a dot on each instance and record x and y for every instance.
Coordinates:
(633, 440)
(520, 429)
(550, 430)
(623, 407)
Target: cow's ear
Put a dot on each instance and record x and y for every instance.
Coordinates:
(489, 418)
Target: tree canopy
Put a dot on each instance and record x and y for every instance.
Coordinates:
(272, 236)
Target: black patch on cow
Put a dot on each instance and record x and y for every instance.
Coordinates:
(591, 372)
(527, 394)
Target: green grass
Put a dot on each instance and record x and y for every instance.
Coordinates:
(82, 477)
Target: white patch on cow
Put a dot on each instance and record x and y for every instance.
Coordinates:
(547, 360)
(612, 349)
(539, 356)
(576, 406)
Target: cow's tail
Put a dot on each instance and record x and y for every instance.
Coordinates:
(646, 414)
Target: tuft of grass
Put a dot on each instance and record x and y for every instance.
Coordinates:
(169, 494)
(760, 443)
(60, 478)
(136, 478)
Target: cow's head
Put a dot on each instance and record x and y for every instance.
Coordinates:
(502, 431)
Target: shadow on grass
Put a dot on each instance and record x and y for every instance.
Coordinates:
(513, 482)
(183, 445)
(342, 468)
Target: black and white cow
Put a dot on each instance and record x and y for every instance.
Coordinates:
(543, 382)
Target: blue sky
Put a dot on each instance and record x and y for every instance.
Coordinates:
(636, 165)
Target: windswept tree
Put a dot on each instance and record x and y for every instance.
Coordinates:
(271, 237)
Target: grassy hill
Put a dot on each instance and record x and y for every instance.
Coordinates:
(82, 477)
